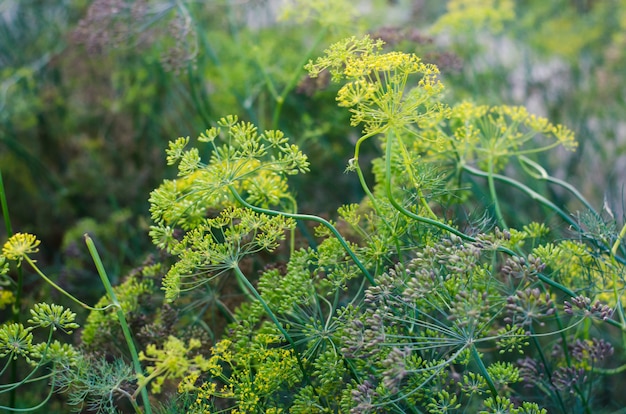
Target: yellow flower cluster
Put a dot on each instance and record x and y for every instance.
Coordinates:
(480, 132)
(378, 92)
(19, 246)
(6, 298)
(576, 264)
(251, 377)
(172, 361)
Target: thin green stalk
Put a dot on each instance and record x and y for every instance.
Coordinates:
(542, 174)
(374, 202)
(295, 76)
(408, 213)
(494, 196)
(541, 199)
(28, 378)
(316, 219)
(531, 193)
(244, 280)
(544, 361)
(292, 238)
(617, 243)
(610, 371)
(5, 208)
(255, 293)
(17, 305)
(464, 236)
(483, 371)
(420, 194)
(121, 317)
(616, 294)
(38, 406)
(59, 288)
(366, 189)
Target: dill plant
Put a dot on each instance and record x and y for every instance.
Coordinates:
(397, 308)
(58, 363)
(393, 307)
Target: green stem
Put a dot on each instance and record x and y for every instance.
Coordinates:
(5, 208)
(374, 202)
(295, 76)
(316, 219)
(610, 371)
(483, 371)
(531, 193)
(407, 166)
(292, 238)
(617, 243)
(121, 317)
(29, 378)
(551, 389)
(541, 199)
(542, 174)
(38, 406)
(59, 288)
(244, 280)
(408, 213)
(464, 236)
(494, 196)
(366, 189)
(616, 294)
(17, 305)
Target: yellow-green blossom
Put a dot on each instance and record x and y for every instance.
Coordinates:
(6, 298)
(174, 360)
(44, 315)
(19, 246)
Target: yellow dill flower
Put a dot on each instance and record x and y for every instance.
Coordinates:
(19, 246)
(6, 298)
(356, 92)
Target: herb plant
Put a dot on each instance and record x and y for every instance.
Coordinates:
(406, 310)
(426, 296)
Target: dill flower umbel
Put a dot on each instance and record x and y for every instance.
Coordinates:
(19, 246)
(56, 316)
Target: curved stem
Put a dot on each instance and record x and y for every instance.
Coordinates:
(531, 193)
(464, 236)
(375, 205)
(121, 317)
(483, 371)
(280, 100)
(316, 219)
(616, 294)
(38, 406)
(59, 288)
(542, 174)
(551, 389)
(408, 213)
(610, 371)
(5, 208)
(542, 200)
(28, 378)
(16, 307)
(244, 280)
(407, 166)
(494, 196)
(617, 243)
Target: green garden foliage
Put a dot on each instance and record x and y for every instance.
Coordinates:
(345, 214)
